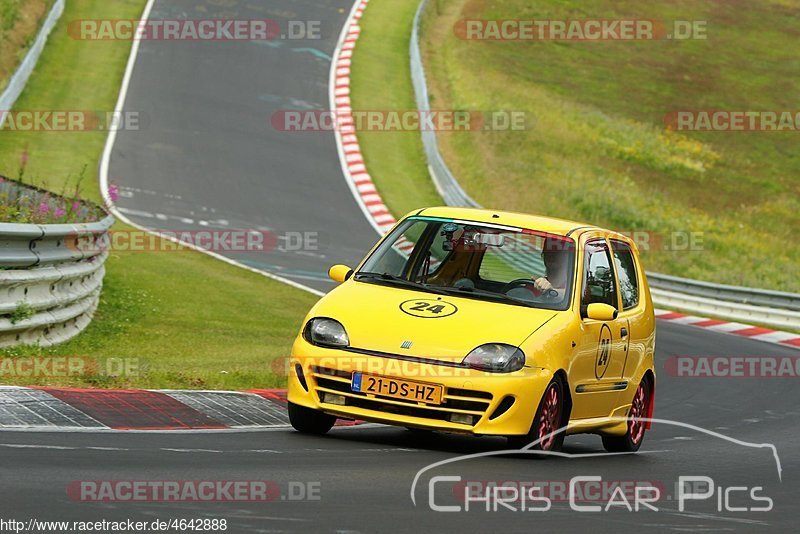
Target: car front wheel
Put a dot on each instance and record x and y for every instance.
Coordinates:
(548, 420)
(309, 421)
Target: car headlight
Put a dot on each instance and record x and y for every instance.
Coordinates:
(326, 333)
(496, 358)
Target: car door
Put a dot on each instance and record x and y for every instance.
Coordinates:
(597, 368)
(633, 310)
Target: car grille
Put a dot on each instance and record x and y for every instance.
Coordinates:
(454, 401)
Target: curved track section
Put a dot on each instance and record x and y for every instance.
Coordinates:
(208, 158)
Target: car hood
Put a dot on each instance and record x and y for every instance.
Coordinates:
(382, 318)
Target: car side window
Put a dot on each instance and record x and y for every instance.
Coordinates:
(599, 283)
(626, 272)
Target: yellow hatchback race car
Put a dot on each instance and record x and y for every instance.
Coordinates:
(484, 322)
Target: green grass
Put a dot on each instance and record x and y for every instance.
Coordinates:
(598, 150)
(70, 75)
(186, 320)
(20, 21)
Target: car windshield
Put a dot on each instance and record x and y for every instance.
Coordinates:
(475, 260)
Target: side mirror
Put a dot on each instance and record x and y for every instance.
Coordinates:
(600, 312)
(340, 273)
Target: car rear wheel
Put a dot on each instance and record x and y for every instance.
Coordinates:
(640, 407)
(548, 419)
(309, 421)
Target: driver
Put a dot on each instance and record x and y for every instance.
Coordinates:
(555, 263)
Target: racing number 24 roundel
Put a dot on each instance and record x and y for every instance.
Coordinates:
(603, 352)
(428, 308)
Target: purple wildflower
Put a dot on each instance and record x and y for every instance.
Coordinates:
(44, 208)
(60, 212)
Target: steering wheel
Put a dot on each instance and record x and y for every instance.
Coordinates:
(522, 282)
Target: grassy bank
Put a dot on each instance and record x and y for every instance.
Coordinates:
(184, 319)
(20, 21)
(597, 149)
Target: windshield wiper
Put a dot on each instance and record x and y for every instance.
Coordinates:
(396, 280)
(489, 294)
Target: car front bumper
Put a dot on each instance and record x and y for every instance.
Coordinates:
(474, 402)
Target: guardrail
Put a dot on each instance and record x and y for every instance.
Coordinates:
(17, 82)
(51, 275)
(735, 311)
(446, 184)
(50, 280)
(733, 294)
(772, 308)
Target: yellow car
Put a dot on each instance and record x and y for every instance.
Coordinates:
(484, 322)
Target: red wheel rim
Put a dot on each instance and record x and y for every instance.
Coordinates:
(550, 418)
(638, 412)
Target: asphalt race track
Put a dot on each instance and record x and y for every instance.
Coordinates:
(209, 154)
(365, 472)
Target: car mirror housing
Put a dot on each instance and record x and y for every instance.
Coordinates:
(340, 273)
(600, 312)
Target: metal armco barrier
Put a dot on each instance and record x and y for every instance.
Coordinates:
(735, 294)
(735, 311)
(446, 184)
(772, 308)
(50, 280)
(20, 78)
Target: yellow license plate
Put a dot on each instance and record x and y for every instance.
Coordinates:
(399, 389)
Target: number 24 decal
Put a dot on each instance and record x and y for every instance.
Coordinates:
(430, 308)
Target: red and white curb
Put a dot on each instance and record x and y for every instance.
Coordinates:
(350, 156)
(728, 327)
(102, 409)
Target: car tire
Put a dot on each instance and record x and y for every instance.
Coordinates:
(309, 421)
(549, 417)
(633, 438)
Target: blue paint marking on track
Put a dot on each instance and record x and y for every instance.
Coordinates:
(303, 50)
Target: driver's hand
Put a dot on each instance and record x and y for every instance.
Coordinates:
(543, 284)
